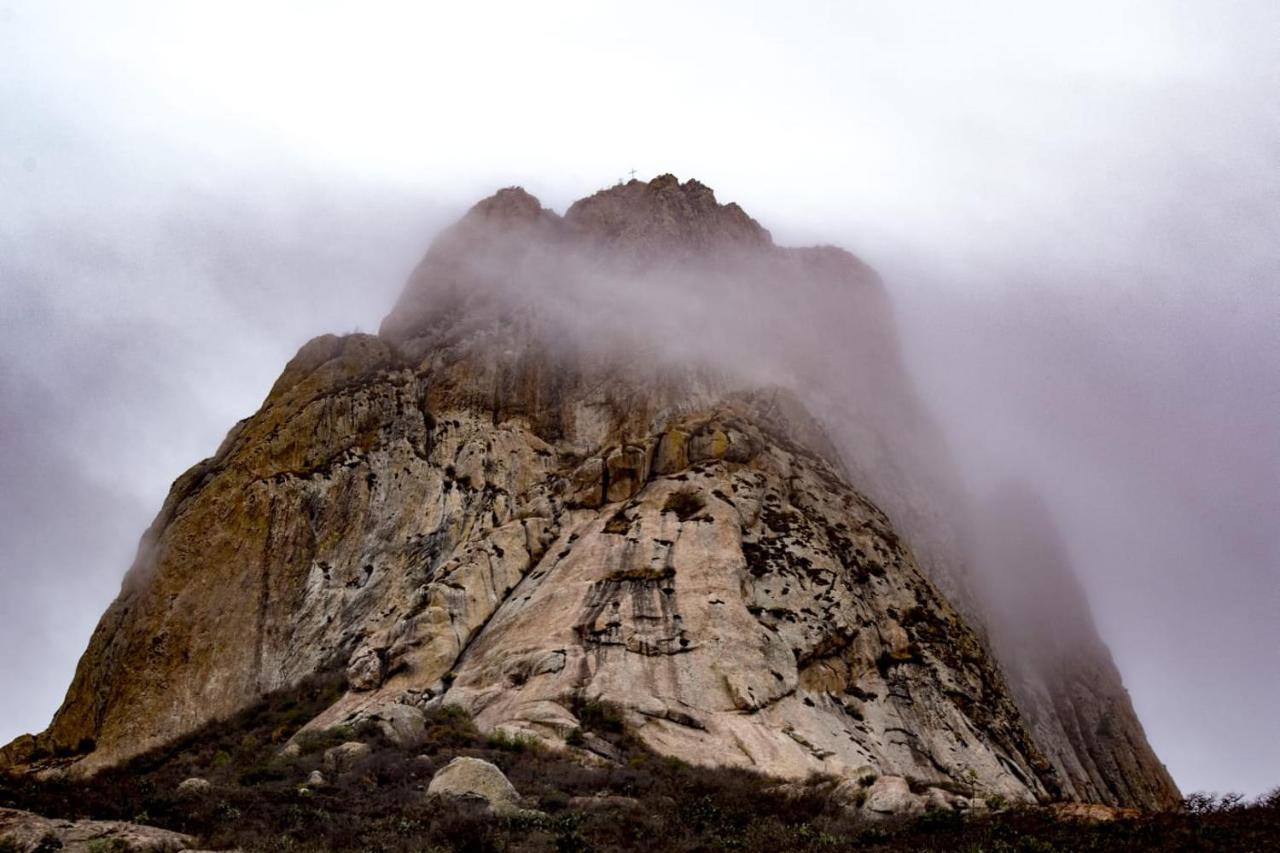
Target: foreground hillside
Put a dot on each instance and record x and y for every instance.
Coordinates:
(571, 800)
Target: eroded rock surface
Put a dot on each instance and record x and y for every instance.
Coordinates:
(477, 507)
(28, 833)
(755, 612)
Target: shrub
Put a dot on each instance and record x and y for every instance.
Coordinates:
(451, 726)
(677, 807)
(322, 739)
(512, 741)
(685, 504)
(601, 717)
(105, 845)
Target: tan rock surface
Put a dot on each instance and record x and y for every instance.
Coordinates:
(345, 756)
(749, 613)
(476, 779)
(476, 507)
(28, 832)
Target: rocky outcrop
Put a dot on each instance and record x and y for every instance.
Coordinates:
(29, 833)
(658, 217)
(345, 756)
(749, 609)
(500, 504)
(193, 787)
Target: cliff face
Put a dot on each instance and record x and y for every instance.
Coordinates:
(519, 498)
(1061, 673)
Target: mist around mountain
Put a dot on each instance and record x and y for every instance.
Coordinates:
(1072, 205)
(635, 458)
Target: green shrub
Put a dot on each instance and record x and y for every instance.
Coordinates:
(600, 717)
(106, 845)
(512, 741)
(451, 726)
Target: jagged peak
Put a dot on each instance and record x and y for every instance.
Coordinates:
(509, 204)
(510, 235)
(662, 214)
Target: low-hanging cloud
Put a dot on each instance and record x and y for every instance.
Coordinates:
(1073, 209)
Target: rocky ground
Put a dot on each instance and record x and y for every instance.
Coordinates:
(255, 782)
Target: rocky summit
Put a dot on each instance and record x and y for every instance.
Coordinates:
(546, 485)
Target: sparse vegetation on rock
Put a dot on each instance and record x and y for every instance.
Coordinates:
(558, 800)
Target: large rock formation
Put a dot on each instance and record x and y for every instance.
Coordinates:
(563, 473)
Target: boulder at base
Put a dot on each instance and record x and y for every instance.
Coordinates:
(194, 787)
(475, 779)
(344, 756)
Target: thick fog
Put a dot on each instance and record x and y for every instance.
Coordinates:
(1074, 208)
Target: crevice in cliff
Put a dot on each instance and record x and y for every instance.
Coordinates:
(529, 575)
(264, 596)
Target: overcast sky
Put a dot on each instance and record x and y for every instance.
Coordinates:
(1076, 207)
